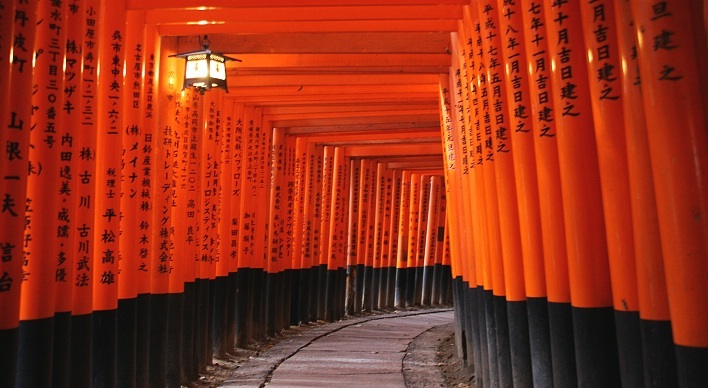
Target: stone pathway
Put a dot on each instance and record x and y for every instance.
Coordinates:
(363, 352)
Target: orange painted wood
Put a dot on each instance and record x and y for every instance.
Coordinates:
(520, 126)
(300, 175)
(44, 182)
(448, 134)
(503, 155)
(320, 166)
(148, 4)
(249, 192)
(284, 14)
(338, 214)
(235, 191)
(228, 260)
(309, 26)
(651, 278)
(672, 56)
(309, 209)
(326, 204)
(263, 141)
(108, 159)
(546, 153)
(379, 213)
(588, 266)
(353, 212)
(133, 143)
(607, 107)
(176, 116)
(150, 122)
(71, 151)
(85, 167)
(276, 227)
(394, 219)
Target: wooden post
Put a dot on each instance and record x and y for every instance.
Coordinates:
(672, 56)
(588, 267)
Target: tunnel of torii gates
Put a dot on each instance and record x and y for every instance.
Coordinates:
(559, 202)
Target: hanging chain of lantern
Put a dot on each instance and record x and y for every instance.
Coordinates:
(205, 69)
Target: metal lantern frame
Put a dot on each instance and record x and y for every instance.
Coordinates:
(205, 69)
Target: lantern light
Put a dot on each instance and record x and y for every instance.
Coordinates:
(205, 69)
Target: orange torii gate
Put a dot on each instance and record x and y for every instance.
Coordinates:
(540, 164)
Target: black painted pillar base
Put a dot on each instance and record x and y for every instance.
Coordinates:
(659, 357)
(341, 292)
(201, 321)
(459, 318)
(418, 295)
(367, 289)
(285, 299)
(242, 317)
(62, 350)
(436, 285)
(474, 347)
(8, 357)
(330, 294)
(410, 287)
(80, 359)
(399, 298)
(158, 340)
(270, 304)
(190, 370)
(295, 297)
(596, 347)
(322, 291)
(126, 345)
(142, 341)
(232, 282)
(692, 362)
(220, 308)
(103, 350)
(314, 291)
(503, 343)
(446, 285)
(560, 322)
(391, 287)
(520, 347)
(34, 353)
(304, 302)
(359, 288)
(539, 342)
(350, 291)
(209, 340)
(175, 312)
(491, 334)
(629, 348)
(258, 300)
(375, 288)
(427, 286)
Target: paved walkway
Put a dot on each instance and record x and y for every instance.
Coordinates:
(361, 352)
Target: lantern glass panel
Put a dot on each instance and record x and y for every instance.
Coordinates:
(197, 68)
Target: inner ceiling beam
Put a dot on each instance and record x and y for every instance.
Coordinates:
(283, 14)
(198, 4)
(221, 27)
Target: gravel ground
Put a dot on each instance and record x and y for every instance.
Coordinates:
(431, 360)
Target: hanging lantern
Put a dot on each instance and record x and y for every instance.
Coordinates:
(205, 69)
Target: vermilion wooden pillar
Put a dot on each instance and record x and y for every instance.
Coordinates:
(15, 114)
(557, 311)
(601, 34)
(109, 117)
(352, 236)
(45, 262)
(85, 170)
(520, 125)
(673, 57)
(133, 142)
(588, 267)
(658, 356)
